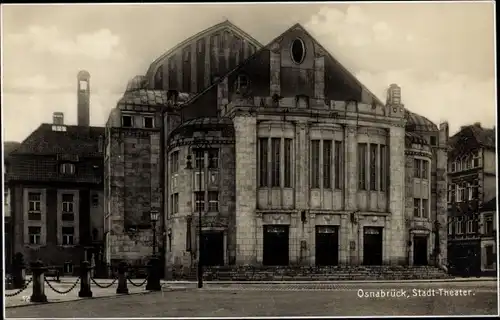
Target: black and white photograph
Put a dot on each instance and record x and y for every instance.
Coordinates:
(249, 159)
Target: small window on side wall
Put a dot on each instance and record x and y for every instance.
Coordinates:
(433, 141)
(67, 168)
(127, 121)
(148, 122)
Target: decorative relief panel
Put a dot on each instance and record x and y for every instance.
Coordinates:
(277, 218)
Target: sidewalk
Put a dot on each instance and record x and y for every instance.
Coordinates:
(23, 298)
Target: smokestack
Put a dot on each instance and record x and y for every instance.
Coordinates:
(58, 118)
(83, 98)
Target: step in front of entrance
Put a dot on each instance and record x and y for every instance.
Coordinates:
(228, 273)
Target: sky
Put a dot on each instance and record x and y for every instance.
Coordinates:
(441, 54)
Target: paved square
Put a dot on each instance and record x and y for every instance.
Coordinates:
(314, 299)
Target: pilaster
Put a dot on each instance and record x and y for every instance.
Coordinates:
(350, 173)
(396, 194)
(319, 76)
(246, 185)
(275, 70)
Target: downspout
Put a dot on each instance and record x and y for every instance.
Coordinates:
(163, 191)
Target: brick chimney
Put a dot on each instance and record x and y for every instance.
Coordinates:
(83, 98)
(477, 124)
(58, 118)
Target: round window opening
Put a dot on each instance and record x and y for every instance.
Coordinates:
(298, 51)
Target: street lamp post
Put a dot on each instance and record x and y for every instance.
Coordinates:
(154, 276)
(154, 219)
(201, 147)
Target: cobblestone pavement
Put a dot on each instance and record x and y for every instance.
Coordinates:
(309, 299)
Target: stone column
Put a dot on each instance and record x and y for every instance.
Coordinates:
(351, 181)
(396, 194)
(294, 247)
(246, 185)
(386, 253)
(312, 239)
(259, 235)
(344, 240)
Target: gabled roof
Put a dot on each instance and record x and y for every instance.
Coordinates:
(268, 46)
(76, 140)
(225, 23)
(485, 137)
(10, 146)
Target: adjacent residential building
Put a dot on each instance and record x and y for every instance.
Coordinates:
(55, 181)
(472, 211)
(299, 163)
(8, 147)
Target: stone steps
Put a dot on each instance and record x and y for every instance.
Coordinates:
(228, 273)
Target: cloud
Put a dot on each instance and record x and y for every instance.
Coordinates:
(379, 54)
(100, 45)
(350, 28)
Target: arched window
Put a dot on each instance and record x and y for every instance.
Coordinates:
(242, 83)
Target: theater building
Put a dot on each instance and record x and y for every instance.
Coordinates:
(299, 163)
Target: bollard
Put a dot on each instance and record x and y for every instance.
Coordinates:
(38, 271)
(18, 271)
(153, 275)
(122, 278)
(85, 291)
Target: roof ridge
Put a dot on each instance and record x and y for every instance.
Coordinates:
(266, 47)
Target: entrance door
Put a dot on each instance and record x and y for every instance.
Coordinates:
(420, 250)
(212, 253)
(327, 246)
(275, 245)
(372, 246)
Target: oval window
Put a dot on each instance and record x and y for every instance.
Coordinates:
(298, 51)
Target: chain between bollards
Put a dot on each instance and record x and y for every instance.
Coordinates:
(137, 285)
(20, 290)
(102, 286)
(62, 292)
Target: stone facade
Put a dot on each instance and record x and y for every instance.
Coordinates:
(312, 150)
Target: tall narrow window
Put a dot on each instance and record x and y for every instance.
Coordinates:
(373, 167)
(174, 162)
(362, 150)
(327, 164)
(416, 207)
(475, 189)
(199, 158)
(213, 158)
(450, 225)
(338, 164)
(175, 203)
(68, 234)
(199, 201)
(34, 201)
(416, 168)
(263, 155)
(35, 235)
(475, 159)
(425, 208)
(383, 167)
(315, 164)
(275, 161)
(288, 163)
(213, 201)
(67, 203)
(425, 169)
